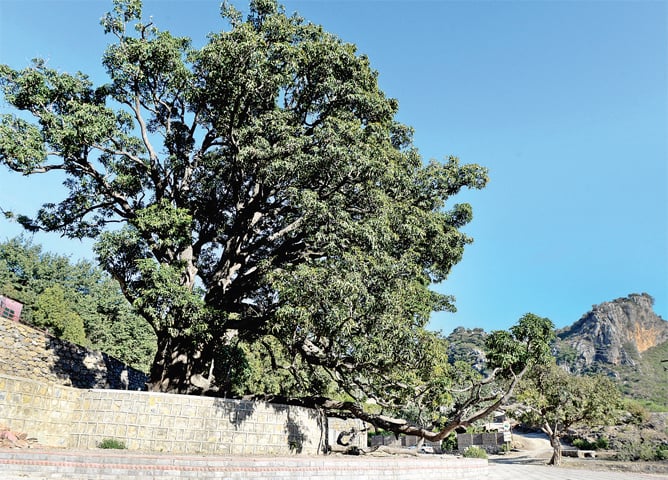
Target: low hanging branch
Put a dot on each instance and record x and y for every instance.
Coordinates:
(347, 409)
(528, 348)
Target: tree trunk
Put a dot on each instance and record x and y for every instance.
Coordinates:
(180, 366)
(556, 453)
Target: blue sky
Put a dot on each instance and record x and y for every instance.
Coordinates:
(565, 102)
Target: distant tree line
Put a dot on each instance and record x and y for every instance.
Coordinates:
(75, 301)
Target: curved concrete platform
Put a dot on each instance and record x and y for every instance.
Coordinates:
(115, 464)
(507, 471)
(126, 465)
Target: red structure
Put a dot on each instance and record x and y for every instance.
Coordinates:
(10, 309)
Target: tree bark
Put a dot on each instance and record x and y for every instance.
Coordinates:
(556, 453)
(180, 366)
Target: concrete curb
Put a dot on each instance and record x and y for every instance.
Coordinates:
(96, 464)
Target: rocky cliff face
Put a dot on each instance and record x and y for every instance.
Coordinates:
(613, 333)
(468, 345)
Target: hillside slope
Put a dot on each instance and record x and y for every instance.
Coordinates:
(615, 333)
(624, 339)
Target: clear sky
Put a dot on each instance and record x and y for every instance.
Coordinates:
(565, 102)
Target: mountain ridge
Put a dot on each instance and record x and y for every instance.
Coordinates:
(623, 338)
(614, 333)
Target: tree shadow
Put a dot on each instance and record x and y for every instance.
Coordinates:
(520, 460)
(298, 434)
(236, 411)
(294, 428)
(80, 367)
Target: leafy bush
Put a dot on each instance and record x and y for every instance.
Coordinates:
(475, 429)
(662, 452)
(638, 414)
(449, 444)
(601, 443)
(112, 443)
(475, 452)
(641, 450)
(583, 444)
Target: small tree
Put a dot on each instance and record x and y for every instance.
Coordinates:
(52, 311)
(554, 401)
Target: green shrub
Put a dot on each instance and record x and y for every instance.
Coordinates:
(475, 452)
(638, 414)
(112, 443)
(475, 429)
(583, 444)
(641, 450)
(647, 452)
(449, 443)
(628, 452)
(602, 443)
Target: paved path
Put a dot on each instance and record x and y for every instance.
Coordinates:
(115, 464)
(505, 471)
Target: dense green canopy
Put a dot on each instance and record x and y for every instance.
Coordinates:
(259, 204)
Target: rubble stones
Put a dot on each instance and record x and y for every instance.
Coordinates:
(10, 439)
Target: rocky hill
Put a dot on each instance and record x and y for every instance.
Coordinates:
(467, 345)
(612, 334)
(623, 338)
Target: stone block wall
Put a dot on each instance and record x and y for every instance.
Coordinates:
(490, 442)
(75, 418)
(346, 433)
(39, 409)
(29, 353)
(403, 441)
(36, 371)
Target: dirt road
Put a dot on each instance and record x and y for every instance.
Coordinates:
(532, 451)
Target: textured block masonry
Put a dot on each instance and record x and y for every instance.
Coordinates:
(38, 373)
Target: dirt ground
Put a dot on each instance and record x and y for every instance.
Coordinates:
(535, 449)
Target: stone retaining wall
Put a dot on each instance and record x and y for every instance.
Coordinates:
(37, 369)
(402, 441)
(68, 417)
(491, 442)
(29, 353)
